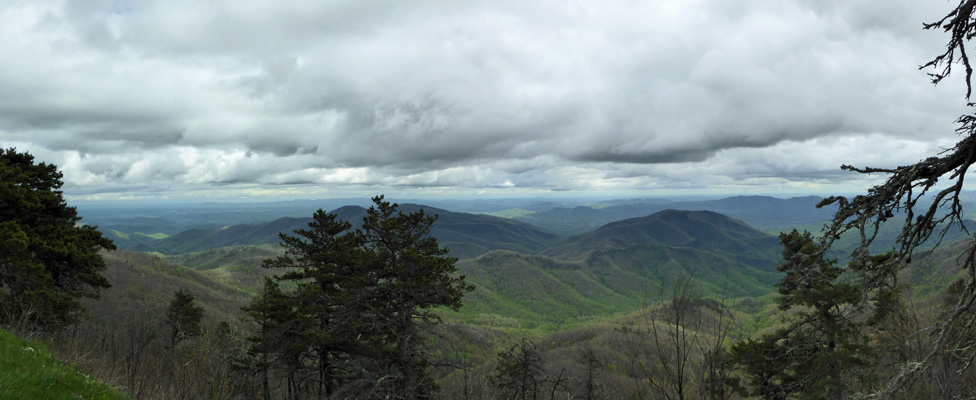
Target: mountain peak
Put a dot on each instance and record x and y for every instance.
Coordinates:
(704, 230)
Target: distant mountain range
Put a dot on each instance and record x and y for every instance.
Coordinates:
(466, 235)
(766, 213)
(700, 230)
(523, 273)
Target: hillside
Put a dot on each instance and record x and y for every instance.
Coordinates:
(28, 371)
(769, 214)
(466, 235)
(701, 230)
(144, 282)
(235, 266)
(619, 268)
(126, 341)
(536, 291)
(931, 272)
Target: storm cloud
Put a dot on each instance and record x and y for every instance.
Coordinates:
(542, 95)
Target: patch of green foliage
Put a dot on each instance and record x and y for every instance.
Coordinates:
(29, 371)
(157, 235)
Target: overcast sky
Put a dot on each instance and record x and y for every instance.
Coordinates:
(305, 98)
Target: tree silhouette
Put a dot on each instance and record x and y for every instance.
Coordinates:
(925, 197)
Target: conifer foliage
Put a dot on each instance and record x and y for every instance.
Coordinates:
(814, 354)
(353, 324)
(183, 317)
(48, 260)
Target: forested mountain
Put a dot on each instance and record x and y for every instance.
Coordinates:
(702, 230)
(583, 299)
(547, 292)
(518, 278)
(767, 213)
(623, 265)
(466, 235)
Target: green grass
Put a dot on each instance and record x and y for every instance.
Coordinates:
(29, 371)
(157, 235)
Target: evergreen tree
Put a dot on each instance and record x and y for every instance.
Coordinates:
(184, 317)
(926, 200)
(281, 342)
(409, 275)
(326, 262)
(812, 356)
(48, 259)
(360, 296)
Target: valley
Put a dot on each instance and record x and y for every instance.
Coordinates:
(589, 304)
(522, 273)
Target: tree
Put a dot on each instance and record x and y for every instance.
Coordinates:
(360, 300)
(679, 347)
(326, 263)
(48, 259)
(673, 340)
(813, 355)
(927, 195)
(183, 317)
(281, 341)
(409, 275)
(519, 373)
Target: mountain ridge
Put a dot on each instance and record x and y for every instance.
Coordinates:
(466, 235)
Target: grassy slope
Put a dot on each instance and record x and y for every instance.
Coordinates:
(29, 371)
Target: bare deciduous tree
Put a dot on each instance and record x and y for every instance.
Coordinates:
(927, 195)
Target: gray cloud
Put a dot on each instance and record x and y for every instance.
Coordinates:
(548, 95)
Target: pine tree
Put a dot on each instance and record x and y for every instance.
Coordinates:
(48, 259)
(326, 261)
(184, 317)
(410, 275)
(358, 302)
(813, 355)
(520, 373)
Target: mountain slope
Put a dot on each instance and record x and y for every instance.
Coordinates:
(466, 235)
(701, 230)
(767, 213)
(622, 266)
(547, 292)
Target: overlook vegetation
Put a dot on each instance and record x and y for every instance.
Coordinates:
(28, 371)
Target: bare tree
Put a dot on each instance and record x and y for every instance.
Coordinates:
(520, 373)
(927, 195)
(674, 333)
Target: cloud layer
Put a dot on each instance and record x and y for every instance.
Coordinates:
(179, 95)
